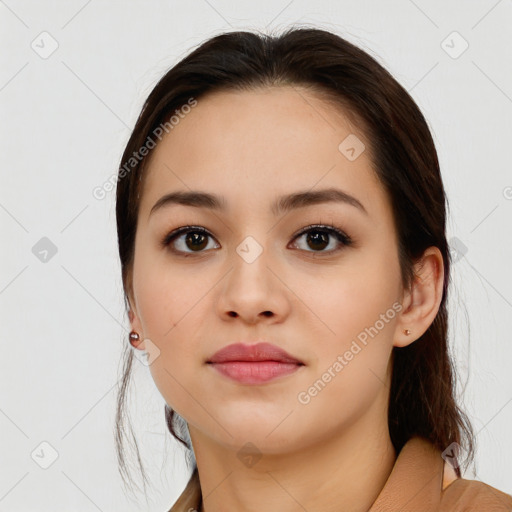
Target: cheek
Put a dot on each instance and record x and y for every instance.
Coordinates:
(341, 302)
(169, 304)
(166, 296)
(351, 365)
(352, 315)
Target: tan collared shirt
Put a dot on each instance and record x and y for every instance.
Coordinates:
(420, 481)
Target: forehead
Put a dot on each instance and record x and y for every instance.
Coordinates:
(252, 146)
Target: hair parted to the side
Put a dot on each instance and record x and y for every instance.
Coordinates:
(404, 158)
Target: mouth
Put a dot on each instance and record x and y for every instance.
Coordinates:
(254, 364)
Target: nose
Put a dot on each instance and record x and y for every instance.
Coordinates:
(253, 290)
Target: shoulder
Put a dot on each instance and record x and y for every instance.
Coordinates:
(190, 500)
(467, 495)
(422, 480)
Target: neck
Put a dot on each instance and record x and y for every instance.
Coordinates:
(349, 469)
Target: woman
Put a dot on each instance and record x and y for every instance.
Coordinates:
(281, 226)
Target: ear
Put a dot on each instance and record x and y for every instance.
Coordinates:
(135, 322)
(421, 303)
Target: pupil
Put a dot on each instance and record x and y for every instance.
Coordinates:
(194, 237)
(318, 238)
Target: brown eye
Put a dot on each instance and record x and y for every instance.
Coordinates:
(318, 237)
(187, 240)
(196, 241)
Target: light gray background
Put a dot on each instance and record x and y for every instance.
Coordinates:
(65, 120)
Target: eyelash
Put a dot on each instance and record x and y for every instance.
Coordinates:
(342, 237)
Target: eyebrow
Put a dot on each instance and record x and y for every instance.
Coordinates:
(281, 205)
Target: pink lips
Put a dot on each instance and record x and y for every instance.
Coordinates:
(254, 364)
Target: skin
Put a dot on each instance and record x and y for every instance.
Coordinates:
(313, 302)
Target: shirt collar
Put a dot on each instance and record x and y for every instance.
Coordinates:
(415, 482)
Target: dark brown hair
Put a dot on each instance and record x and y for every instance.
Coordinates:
(422, 395)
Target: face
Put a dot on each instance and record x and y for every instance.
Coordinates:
(263, 274)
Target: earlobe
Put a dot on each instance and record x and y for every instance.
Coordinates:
(424, 298)
(135, 337)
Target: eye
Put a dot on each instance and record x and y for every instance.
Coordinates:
(196, 239)
(318, 238)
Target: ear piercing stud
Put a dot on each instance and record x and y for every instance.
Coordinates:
(134, 339)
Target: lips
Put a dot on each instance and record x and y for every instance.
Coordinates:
(254, 364)
(252, 353)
